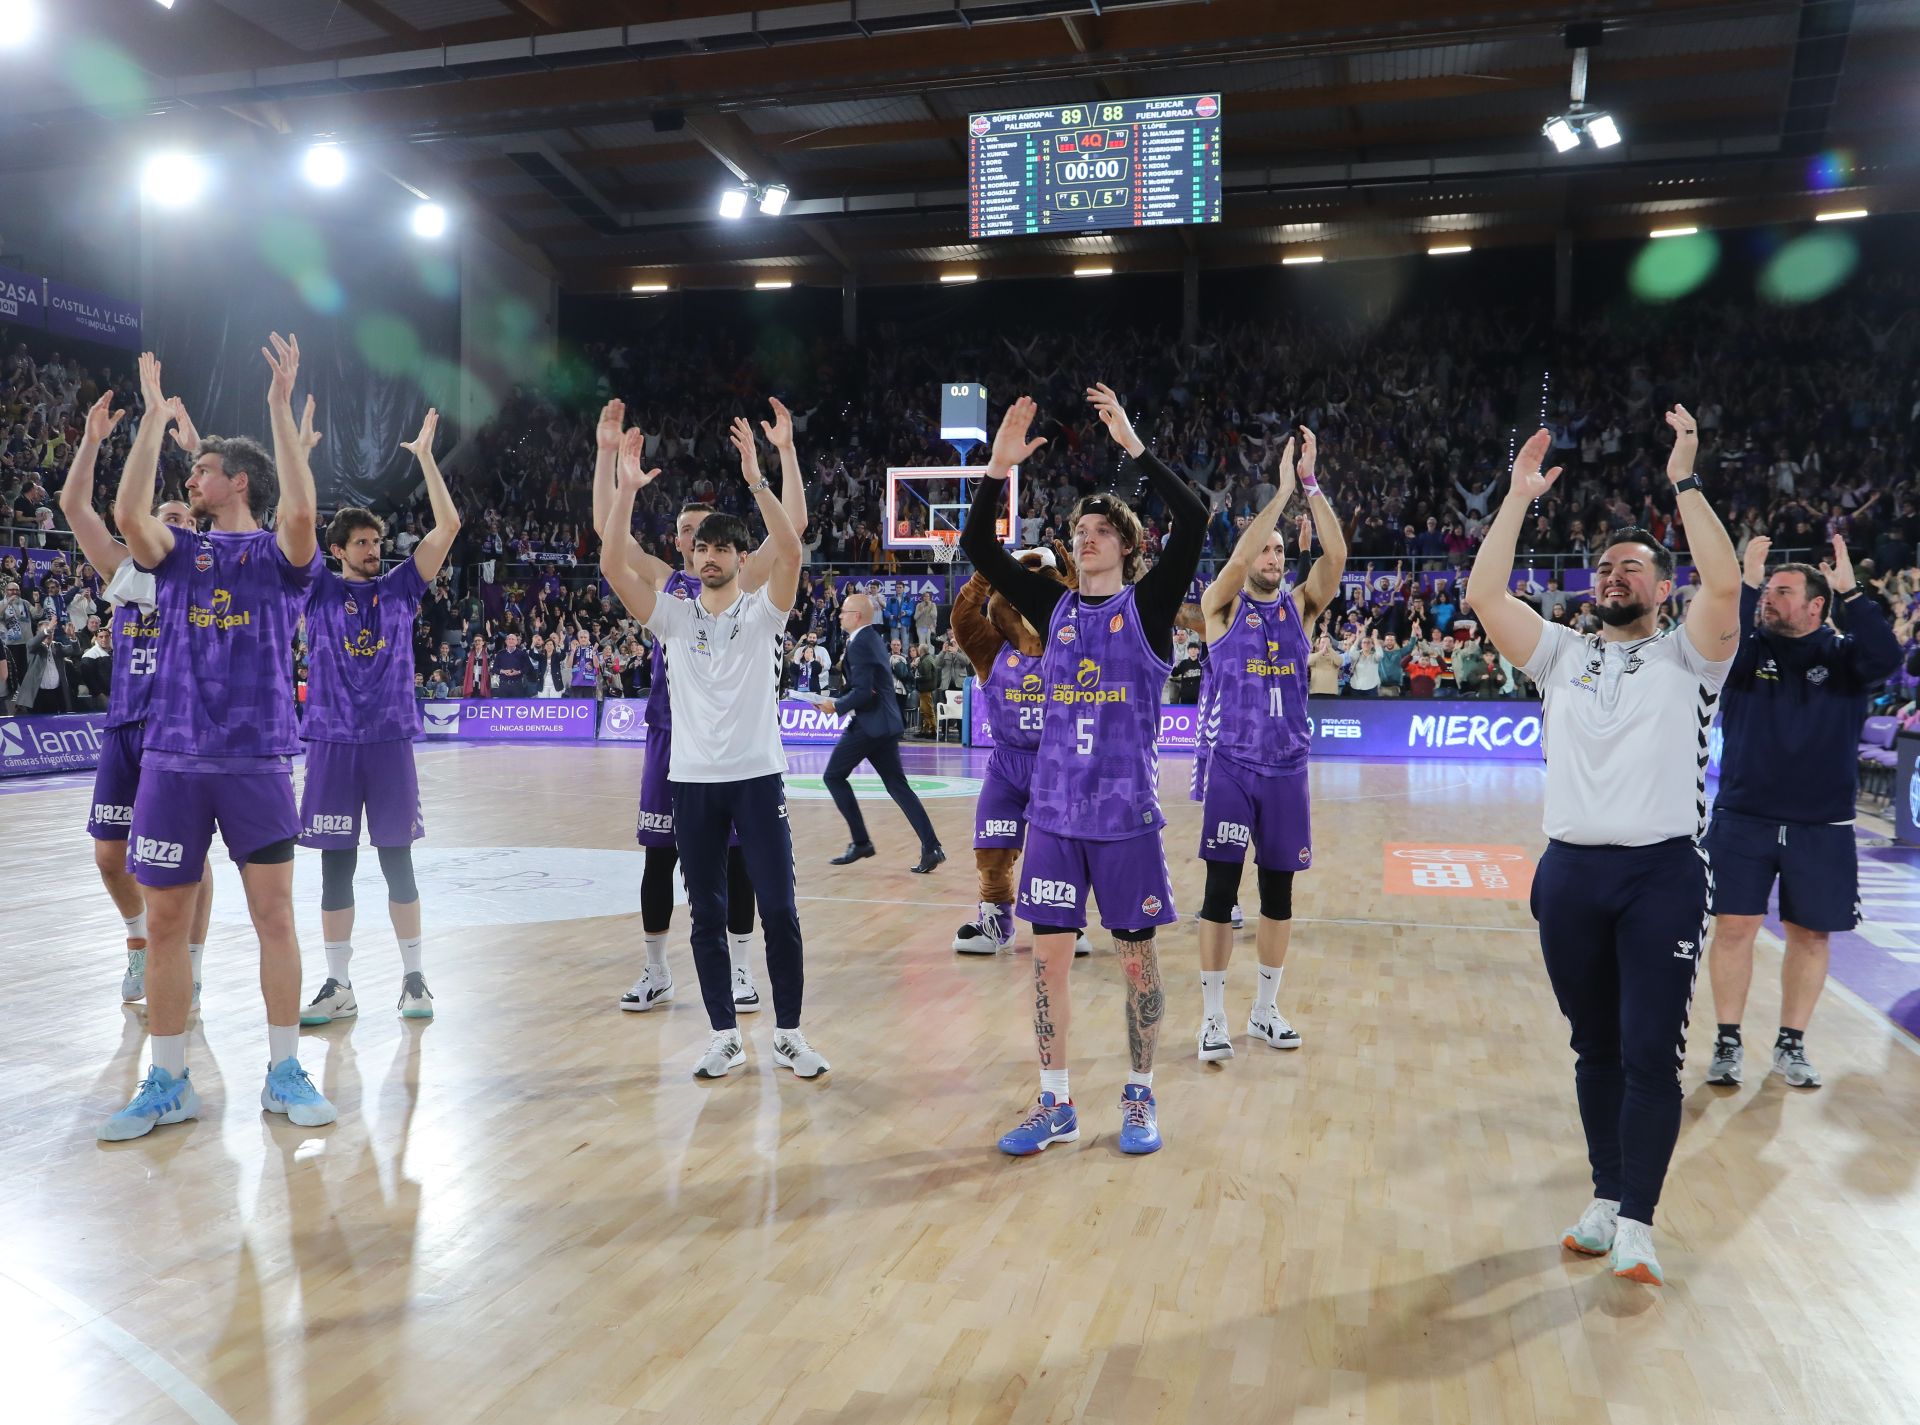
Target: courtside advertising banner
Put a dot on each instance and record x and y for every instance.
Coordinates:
(60, 743)
(625, 720)
(511, 719)
(92, 316)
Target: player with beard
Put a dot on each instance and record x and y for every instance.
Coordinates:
(361, 720)
(220, 731)
(1621, 890)
(1095, 807)
(655, 831)
(1255, 713)
(134, 617)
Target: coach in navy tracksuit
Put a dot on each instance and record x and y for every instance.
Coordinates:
(873, 736)
(1793, 707)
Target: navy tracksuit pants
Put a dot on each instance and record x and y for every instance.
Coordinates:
(1622, 929)
(704, 813)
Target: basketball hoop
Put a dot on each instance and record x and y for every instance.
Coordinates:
(945, 546)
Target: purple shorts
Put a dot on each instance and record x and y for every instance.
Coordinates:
(1000, 816)
(1197, 788)
(174, 814)
(115, 782)
(1270, 814)
(656, 796)
(344, 777)
(1129, 879)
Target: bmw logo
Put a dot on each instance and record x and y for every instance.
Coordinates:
(619, 717)
(1913, 797)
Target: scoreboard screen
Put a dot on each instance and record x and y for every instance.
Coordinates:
(1127, 163)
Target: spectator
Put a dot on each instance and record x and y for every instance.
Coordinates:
(926, 618)
(1323, 668)
(1363, 667)
(927, 675)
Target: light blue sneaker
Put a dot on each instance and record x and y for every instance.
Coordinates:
(161, 1098)
(1139, 1130)
(1051, 1122)
(288, 1090)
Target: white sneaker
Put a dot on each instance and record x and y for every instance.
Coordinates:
(746, 997)
(1239, 920)
(133, 984)
(985, 936)
(335, 1001)
(723, 1055)
(1593, 1233)
(1214, 1041)
(1791, 1064)
(1275, 1031)
(1082, 946)
(415, 1002)
(1633, 1254)
(791, 1051)
(650, 989)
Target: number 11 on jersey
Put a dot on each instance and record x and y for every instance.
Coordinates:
(1276, 700)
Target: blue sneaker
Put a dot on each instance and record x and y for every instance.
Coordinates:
(1139, 1133)
(1051, 1122)
(161, 1098)
(288, 1090)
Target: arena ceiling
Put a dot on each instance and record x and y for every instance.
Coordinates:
(601, 131)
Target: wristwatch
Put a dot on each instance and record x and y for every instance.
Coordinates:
(1691, 482)
(763, 485)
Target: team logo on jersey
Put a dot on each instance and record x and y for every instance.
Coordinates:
(1150, 906)
(1013, 660)
(1116, 623)
(203, 561)
(1817, 674)
(1030, 683)
(352, 607)
(1088, 674)
(1253, 620)
(1305, 856)
(1067, 634)
(680, 592)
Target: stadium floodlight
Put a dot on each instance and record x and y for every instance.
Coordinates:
(429, 220)
(733, 203)
(1450, 250)
(779, 285)
(173, 179)
(1604, 132)
(649, 288)
(19, 19)
(165, 4)
(1306, 260)
(952, 278)
(773, 198)
(1093, 272)
(1562, 134)
(1845, 216)
(325, 165)
(1673, 232)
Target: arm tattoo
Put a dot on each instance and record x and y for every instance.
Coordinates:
(1146, 1003)
(1043, 1031)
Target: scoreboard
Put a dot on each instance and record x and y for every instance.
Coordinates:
(1127, 163)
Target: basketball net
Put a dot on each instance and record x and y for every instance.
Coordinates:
(946, 545)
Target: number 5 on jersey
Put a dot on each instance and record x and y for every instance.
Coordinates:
(1083, 736)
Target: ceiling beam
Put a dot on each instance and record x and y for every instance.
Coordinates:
(376, 13)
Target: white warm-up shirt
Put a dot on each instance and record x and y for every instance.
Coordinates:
(724, 687)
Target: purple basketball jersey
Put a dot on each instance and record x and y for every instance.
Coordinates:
(223, 684)
(1096, 777)
(679, 585)
(360, 656)
(136, 649)
(1254, 707)
(1016, 699)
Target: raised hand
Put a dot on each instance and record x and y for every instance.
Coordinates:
(1114, 417)
(1306, 534)
(1686, 443)
(309, 437)
(779, 430)
(1529, 484)
(284, 361)
(1754, 567)
(185, 435)
(421, 446)
(613, 419)
(740, 435)
(628, 471)
(150, 391)
(1010, 444)
(1839, 570)
(1309, 450)
(1287, 479)
(101, 419)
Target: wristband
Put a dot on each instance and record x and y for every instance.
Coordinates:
(1690, 482)
(1310, 484)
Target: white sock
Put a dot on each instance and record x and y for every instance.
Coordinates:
(339, 955)
(1054, 1081)
(409, 955)
(657, 951)
(137, 928)
(194, 952)
(1136, 1077)
(170, 1053)
(283, 1043)
(1269, 988)
(739, 950)
(1213, 993)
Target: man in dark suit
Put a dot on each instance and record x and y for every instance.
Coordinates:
(873, 736)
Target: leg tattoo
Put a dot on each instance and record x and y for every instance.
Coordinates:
(1146, 1002)
(1043, 1031)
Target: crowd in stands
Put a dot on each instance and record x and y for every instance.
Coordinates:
(1809, 420)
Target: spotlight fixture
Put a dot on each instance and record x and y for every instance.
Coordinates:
(18, 21)
(772, 286)
(649, 287)
(325, 165)
(1562, 133)
(1093, 272)
(1305, 261)
(1450, 250)
(1672, 232)
(429, 220)
(733, 204)
(1604, 132)
(1565, 131)
(952, 278)
(173, 179)
(1846, 216)
(165, 4)
(773, 198)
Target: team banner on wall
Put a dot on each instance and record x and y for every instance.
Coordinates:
(92, 316)
(511, 719)
(59, 743)
(23, 298)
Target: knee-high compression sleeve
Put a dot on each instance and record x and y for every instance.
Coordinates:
(1276, 894)
(396, 864)
(656, 889)
(336, 878)
(995, 866)
(1223, 891)
(739, 894)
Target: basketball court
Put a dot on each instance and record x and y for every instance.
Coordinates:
(529, 1210)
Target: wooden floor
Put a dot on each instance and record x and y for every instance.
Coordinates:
(530, 1212)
